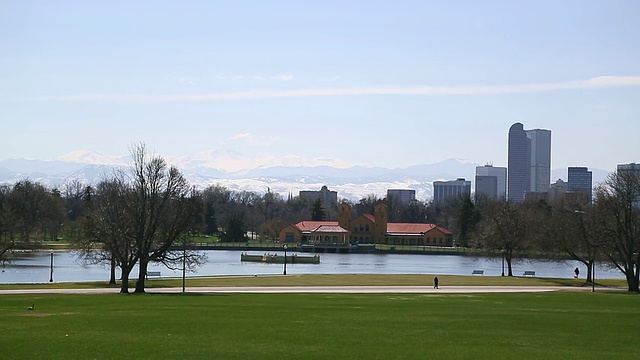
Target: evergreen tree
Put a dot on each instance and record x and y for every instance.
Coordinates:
(317, 212)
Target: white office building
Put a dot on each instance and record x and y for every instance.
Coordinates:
(491, 182)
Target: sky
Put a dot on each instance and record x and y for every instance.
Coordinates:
(380, 83)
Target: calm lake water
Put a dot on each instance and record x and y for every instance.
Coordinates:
(35, 267)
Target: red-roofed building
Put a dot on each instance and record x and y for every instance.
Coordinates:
(326, 232)
(366, 229)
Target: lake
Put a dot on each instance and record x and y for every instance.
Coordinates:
(35, 267)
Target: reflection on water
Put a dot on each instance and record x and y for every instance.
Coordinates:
(35, 267)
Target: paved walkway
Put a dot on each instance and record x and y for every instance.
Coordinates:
(322, 289)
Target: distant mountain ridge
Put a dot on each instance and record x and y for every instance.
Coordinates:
(286, 175)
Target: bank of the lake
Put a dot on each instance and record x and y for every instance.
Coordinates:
(35, 267)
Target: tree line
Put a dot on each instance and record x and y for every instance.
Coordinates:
(606, 229)
(149, 213)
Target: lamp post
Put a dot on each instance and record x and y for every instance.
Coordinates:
(593, 276)
(184, 264)
(503, 262)
(51, 271)
(285, 259)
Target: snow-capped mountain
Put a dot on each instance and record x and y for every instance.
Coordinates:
(236, 171)
(240, 172)
(234, 162)
(91, 157)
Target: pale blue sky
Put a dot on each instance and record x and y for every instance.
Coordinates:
(391, 83)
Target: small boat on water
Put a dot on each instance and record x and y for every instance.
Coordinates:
(279, 259)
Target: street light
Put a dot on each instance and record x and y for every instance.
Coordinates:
(184, 264)
(285, 259)
(503, 262)
(593, 276)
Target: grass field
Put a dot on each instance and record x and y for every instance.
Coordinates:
(558, 325)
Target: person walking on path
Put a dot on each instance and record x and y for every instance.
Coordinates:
(577, 271)
(435, 282)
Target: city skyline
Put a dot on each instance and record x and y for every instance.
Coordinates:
(357, 83)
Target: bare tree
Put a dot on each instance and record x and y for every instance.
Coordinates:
(73, 195)
(217, 200)
(111, 230)
(572, 234)
(143, 217)
(6, 239)
(27, 203)
(53, 215)
(365, 205)
(618, 206)
(22, 211)
(508, 228)
(162, 206)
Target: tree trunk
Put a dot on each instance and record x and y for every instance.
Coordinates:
(509, 268)
(589, 265)
(142, 273)
(632, 282)
(124, 287)
(112, 278)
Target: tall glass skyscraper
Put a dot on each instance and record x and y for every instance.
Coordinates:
(519, 163)
(540, 159)
(529, 163)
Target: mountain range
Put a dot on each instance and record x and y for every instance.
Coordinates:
(239, 172)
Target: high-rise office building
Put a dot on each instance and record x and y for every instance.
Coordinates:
(519, 163)
(580, 180)
(404, 196)
(491, 182)
(540, 159)
(329, 198)
(628, 170)
(557, 191)
(529, 163)
(632, 167)
(446, 189)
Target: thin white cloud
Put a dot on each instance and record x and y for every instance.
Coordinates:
(280, 77)
(231, 77)
(283, 77)
(593, 83)
(252, 139)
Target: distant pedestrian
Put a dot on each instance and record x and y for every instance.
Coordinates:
(435, 283)
(577, 271)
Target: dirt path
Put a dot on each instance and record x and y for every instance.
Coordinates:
(321, 289)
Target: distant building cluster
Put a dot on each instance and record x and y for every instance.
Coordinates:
(526, 177)
(528, 173)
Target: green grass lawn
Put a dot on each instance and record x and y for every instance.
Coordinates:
(558, 325)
